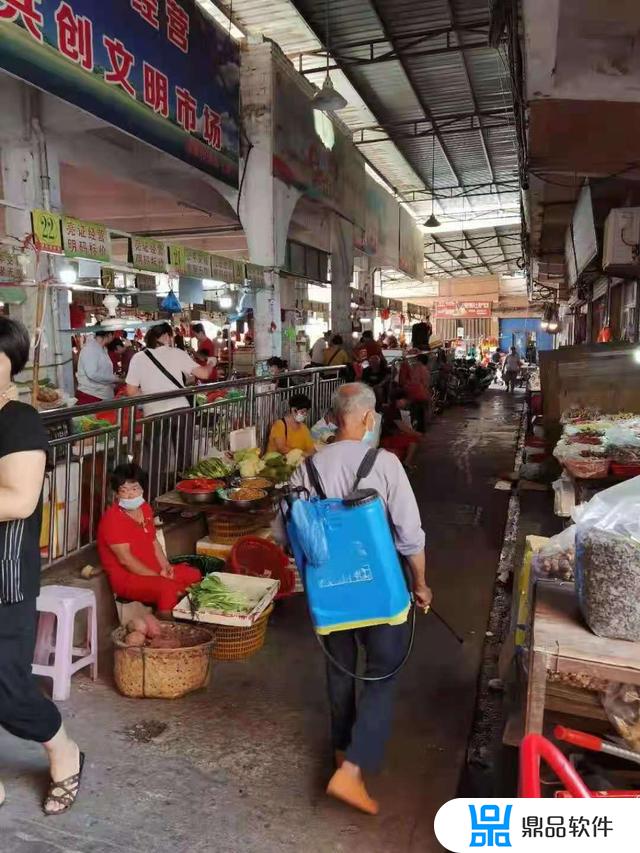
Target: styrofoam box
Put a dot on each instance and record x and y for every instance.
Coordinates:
(260, 591)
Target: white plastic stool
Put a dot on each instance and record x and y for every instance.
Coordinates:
(58, 607)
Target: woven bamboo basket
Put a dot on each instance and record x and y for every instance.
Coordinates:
(238, 643)
(227, 529)
(146, 673)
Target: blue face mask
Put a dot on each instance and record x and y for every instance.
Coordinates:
(131, 503)
(369, 436)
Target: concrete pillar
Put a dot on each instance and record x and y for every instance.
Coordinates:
(31, 179)
(341, 276)
(266, 204)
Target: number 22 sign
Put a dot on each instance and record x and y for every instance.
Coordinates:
(47, 231)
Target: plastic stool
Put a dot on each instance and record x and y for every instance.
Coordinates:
(58, 607)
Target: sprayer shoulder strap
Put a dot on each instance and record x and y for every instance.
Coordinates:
(366, 466)
(314, 479)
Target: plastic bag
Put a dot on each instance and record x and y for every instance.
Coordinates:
(564, 497)
(608, 562)
(556, 559)
(621, 703)
(310, 530)
(623, 445)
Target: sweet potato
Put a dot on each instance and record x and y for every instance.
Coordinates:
(164, 643)
(135, 638)
(138, 625)
(153, 627)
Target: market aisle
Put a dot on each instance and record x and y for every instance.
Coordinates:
(241, 767)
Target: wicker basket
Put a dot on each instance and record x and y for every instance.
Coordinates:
(142, 672)
(235, 643)
(227, 529)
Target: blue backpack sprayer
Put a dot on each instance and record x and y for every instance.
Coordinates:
(344, 550)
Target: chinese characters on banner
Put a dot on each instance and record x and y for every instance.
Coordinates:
(462, 310)
(160, 69)
(198, 263)
(85, 240)
(147, 254)
(10, 269)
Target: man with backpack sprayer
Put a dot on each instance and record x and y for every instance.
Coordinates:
(360, 733)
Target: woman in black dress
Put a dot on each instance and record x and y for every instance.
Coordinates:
(24, 711)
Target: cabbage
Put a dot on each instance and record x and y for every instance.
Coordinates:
(294, 457)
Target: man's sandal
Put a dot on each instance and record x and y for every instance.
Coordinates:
(63, 793)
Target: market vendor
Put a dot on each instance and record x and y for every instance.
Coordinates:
(291, 432)
(96, 379)
(130, 551)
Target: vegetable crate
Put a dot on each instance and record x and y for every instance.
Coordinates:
(259, 591)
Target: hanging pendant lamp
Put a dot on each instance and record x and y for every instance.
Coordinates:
(328, 99)
(433, 221)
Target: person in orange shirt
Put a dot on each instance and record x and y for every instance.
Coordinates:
(291, 432)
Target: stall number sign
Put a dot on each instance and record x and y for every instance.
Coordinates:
(47, 231)
(147, 254)
(85, 240)
(178, 259)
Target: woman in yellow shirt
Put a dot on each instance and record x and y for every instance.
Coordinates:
(291, 432)
(335, 355)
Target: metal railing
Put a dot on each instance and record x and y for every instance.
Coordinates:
(164, 442)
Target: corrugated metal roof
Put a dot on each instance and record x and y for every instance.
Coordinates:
(428, 78)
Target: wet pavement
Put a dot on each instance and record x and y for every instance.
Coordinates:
(242, 766)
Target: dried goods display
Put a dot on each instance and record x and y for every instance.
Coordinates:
(608, 582)
(578, 679)
(577, 414)
(556, 559)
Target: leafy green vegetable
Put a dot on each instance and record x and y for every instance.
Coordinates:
(211, 469)
(212, 593)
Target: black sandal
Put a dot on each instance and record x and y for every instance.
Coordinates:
(70, 789)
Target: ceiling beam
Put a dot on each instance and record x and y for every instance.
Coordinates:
(472, 245)
(474, 99)
(457, 191)
(453, 257)
(375, 5)
(405, 46)
(414, 129)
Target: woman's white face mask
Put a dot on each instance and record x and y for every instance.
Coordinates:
(300, 416)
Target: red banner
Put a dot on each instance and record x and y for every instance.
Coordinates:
(462, 310)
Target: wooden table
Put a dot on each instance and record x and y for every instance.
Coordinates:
(586, 488)
(561, 642)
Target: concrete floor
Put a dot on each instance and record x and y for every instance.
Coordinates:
(242, 766)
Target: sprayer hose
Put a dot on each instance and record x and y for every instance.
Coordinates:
(370, 678)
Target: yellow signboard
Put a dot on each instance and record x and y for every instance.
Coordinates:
(178, 259)
(47, 231)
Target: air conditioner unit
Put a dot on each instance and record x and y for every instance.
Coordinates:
(621, 252)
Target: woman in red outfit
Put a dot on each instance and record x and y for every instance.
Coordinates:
(130, 551)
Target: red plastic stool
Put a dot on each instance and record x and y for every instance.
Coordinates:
(260, 558)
